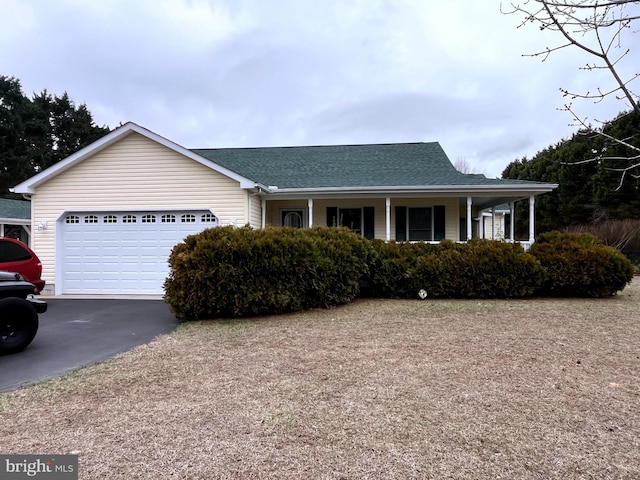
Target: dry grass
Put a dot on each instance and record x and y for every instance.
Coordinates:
(378, 389)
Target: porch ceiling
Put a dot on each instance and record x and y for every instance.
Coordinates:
(484, 202)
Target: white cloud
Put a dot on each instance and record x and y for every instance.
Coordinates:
(255, 73)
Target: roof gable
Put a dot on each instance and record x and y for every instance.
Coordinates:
(29, 185)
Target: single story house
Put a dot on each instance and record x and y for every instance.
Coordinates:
(104, 220)
(15, 219)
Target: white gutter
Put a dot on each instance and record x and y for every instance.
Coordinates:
(541, 188)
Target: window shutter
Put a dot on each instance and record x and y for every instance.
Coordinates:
(332, 216)
(368, 227)
(439, 223)
(401, 224)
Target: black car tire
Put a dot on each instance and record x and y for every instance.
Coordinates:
(18, 325)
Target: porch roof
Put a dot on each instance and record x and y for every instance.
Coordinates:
(19, 210)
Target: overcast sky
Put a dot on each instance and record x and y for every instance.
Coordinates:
(251, 73)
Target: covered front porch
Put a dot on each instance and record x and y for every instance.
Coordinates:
(403, 216)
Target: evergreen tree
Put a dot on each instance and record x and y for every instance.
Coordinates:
(39, 132)
(13, 145)
(588, 192)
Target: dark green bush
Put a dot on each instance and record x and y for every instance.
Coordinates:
(477, 269)
(230, 271)
(485, 269)
(390, 265)
(579, 265)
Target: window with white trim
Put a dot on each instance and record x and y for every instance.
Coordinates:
(110, 219)
(72, 219)
(90, 219)
(208, 218)
(292, 217)
(148, 218)
(188, 218)
(129, 219)
(420, 224)
(168, 218)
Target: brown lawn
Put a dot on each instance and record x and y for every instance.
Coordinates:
(516, 389)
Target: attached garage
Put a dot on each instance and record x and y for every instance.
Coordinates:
(122, 252)
(105, 219)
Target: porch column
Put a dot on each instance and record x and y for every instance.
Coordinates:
(264, 213)
(481, 224)
(310, 206)
(532, 219)
(512, 221)
(388, 219)
(469, 224)
(493, 223)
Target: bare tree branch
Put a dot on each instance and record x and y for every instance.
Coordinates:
(596, 27)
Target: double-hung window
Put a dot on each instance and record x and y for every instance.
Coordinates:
(420, 224)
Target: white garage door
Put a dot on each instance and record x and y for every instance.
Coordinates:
(123, 252)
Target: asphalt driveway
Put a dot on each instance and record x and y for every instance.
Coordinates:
(77, 332)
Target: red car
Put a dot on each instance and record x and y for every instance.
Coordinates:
(17, 257)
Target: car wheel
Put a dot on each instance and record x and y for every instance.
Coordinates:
(18, 325)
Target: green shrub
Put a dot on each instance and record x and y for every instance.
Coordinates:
(579, 265)
(477, 269)
(487, 269)
(388, 269)
(228, 271)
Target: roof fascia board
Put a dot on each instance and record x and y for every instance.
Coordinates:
(29, 185)
(509, 190)
(21, 221)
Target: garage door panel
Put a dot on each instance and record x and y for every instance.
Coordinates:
(122, 252)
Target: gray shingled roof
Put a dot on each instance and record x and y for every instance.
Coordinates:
(376, 165)
(18, 209)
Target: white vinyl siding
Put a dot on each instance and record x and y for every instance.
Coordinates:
(135, 173)
(497, 227)
(255, 203)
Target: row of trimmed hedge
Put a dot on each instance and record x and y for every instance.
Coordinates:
(228, 271)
